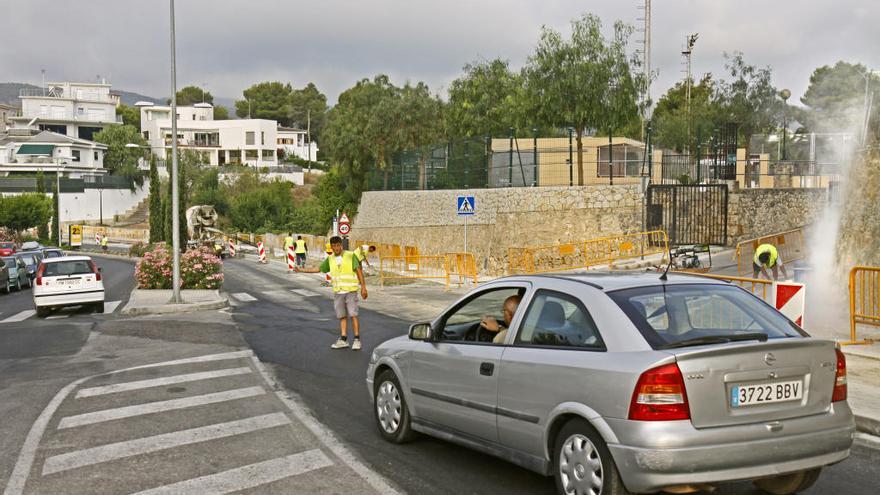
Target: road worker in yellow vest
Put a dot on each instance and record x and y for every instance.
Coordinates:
(288, 241)
(300, 249)
(348, 277)
(767, 256)
(104, 242)
(362, 251)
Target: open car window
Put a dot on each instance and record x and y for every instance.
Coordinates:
(462, 322)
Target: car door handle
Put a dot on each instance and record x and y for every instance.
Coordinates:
(487, 369)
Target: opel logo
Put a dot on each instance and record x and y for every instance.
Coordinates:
(769, 358)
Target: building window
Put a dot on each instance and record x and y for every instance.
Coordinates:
(262, 138)
(250, 154)
(96, 156)
(147, 135)
(269, 155)
(249, 137)
(75, 155)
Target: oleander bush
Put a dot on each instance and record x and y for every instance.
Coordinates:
(199, 269)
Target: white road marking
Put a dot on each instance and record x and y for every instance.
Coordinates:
(249, 476)
(111, 306)
(158, 382)
(20, 316)
(244, 297)
(325, 436)
(198, 359)
(158, 406)
(305, 292)
(119, 450)
(57, 317)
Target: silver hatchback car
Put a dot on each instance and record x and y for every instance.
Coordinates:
(618, 384)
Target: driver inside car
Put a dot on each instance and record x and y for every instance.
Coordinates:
(500, 329)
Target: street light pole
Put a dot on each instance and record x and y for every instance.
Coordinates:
(175, 192)
(785, 94)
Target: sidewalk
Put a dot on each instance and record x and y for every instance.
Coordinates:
(146, 302)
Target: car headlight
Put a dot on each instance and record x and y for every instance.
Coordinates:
(374, 357)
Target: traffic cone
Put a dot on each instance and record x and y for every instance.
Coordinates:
(291, 258)
(231, 248)
(262, 252)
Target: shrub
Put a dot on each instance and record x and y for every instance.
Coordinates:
(138, 249)
(199, 269)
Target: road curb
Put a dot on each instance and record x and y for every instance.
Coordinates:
(869, 425)
(219, 303)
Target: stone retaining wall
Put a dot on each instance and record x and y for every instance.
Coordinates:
(757, 212)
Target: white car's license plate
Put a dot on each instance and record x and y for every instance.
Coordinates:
(749, 395)
(70, 282)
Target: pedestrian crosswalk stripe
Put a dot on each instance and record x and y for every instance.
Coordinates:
(146, 445)
(159, 382)
(57, 317)
(159, 406)
(305, 292)
(111, 306)
(198, 359)
(20, 316)
(244, 297)
(249, 476)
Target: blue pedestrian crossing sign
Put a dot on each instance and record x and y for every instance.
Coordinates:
(466, 205)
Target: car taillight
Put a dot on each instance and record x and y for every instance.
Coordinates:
(40, 274)
(660, 396)
(95, 271)
(840, 378)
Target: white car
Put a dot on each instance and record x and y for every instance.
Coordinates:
(68, 281)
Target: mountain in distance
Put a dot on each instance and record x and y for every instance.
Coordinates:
(9, 92)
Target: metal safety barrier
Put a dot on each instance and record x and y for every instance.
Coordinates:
(864, 301)
(759, 287)
(463, 266)
(790, 245)
(413, 267)
(584, 254)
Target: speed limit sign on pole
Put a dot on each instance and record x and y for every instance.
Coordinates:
(344, 229)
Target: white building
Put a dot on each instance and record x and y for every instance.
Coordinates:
(294, 142)
(221, 142)
(78, 110)
(6, 112)
(24, 152)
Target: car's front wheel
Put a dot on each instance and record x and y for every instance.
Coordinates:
(583, 464)
(389, 407)
(789, 484)
(99, 307)
(42, 312)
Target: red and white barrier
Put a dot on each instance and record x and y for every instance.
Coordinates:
(231, 248)
(97, 238)
(262, 252)
(291, 259)
(789, 298)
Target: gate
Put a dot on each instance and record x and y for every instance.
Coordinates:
(690, 214)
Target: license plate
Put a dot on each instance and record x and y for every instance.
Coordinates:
(70, 282)
(750, 395)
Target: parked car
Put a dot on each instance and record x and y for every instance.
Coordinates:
(30, 246)
(618, 384)
(31, 260)
(17, 272)
(51, 252)
(7, 248)
(5, 284)
(68, 281)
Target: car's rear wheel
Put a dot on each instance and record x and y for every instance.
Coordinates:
(389, 406)
(42, 312)
(99, 307)
(582, 463)
(789, 484)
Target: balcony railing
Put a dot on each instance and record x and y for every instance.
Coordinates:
(71, 116)
(60, 93)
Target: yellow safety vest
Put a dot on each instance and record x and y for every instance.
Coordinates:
(766, 248)
(104, 241)
(344, 277)
(288, 241)
(360, 253)
(300, 246)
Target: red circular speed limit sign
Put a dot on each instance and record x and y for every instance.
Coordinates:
(344, 228)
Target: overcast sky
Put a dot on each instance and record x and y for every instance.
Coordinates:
(228, 44)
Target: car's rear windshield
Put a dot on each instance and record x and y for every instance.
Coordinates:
(9, 262)
(7, 245)
(64, 268)
(52, 254)
(671, 315)
(28, 259)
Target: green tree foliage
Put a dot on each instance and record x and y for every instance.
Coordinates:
(749, 98)
(266, 208)
(670, 118)
(130, 115)
(25, 211)
(156, 231)
(190, 95)
(206, 191)
(43, 228)
(372, 120)
(266, 100)
(585, 82)
(308, 104)
(56, 215)
(221, 113)
(486, 101)
(835, 99)
(119, 159)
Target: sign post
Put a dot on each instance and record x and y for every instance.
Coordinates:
(74, 236)
(344, 227)
(466, 206)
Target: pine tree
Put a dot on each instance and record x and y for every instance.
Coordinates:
(156, 231)
(43, 229)
(56, 215)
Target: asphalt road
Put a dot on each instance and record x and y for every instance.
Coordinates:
(294, 332)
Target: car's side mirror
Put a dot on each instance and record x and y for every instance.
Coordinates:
(420, 331)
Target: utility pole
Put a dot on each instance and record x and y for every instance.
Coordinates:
(646, 59)
(689, 48)
(309, 137)
(175, 190)
(43, 71)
